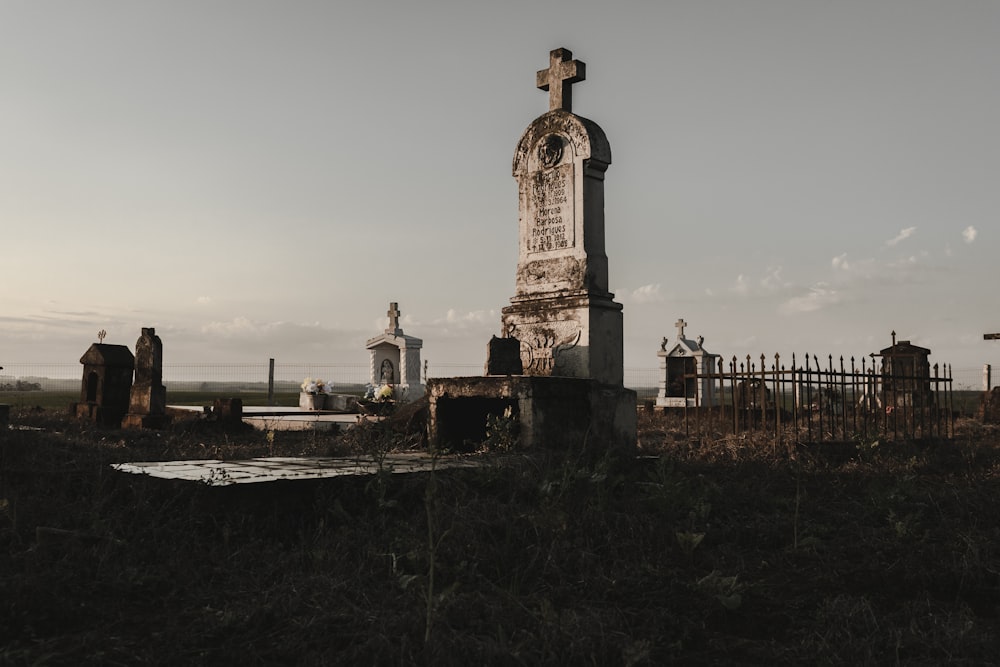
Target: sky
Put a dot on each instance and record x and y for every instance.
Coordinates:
(259, 179)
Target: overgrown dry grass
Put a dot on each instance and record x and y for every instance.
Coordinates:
(724, 552)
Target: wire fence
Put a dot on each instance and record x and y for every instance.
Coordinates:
(234, 378)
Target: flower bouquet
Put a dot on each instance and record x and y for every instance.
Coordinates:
(378, 400)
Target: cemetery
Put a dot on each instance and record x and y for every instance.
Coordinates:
(772, 510)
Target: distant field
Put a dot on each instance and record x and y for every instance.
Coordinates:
(61, 400)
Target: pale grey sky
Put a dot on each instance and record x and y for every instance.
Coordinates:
(259, 179)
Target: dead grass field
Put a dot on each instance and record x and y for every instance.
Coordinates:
(727, 552)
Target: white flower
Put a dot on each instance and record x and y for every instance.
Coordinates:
(308, 382)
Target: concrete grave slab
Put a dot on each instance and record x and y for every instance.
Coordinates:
(269, 469)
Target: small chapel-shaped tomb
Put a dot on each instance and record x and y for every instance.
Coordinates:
(680, 361)
(906, 375)
(395, 360)
(107, 381)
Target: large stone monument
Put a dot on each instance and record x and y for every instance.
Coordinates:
(566, 322)
(395, 360)
(148, 400)
(562, 311)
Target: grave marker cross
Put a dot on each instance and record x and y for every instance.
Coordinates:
(992, 336)
(393, 314)
(680, 324)
(559, 78)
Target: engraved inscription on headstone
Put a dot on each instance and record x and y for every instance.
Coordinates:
(551, 205)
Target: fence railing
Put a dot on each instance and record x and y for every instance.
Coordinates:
(814, 402)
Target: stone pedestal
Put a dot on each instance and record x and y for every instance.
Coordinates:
(552, 412)
(312, 401)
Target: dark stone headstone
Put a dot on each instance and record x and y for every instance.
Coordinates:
(228, 411)
(503, 357)
(148, 401)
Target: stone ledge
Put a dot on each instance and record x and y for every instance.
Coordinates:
(553, 412)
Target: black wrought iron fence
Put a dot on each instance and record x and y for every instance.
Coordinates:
(810, 401)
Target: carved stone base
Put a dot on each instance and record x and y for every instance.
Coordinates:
(579, 337)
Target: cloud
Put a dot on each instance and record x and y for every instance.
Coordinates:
(646, 294)
(741, 286)
(203, 300)
(901, 236)
(819, 296)
(245, 329)
(772, 280)
(904, 262)
(840, 262)
(969, 234)
(472, 318)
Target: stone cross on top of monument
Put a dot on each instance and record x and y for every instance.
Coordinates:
(559, 78)
(393, 314)
(680, 324)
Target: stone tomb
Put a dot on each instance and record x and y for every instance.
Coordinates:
(566, 322)
(395, 360)
(906, 375)
(678, 359)
(148, 399)
(107, 381)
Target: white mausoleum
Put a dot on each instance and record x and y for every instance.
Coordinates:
(395, 360)
(678, 359)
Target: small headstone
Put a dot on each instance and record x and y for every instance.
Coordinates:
(148, 399)
(503, 357)
(228, 411)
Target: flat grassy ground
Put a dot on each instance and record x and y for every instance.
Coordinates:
(733, 551)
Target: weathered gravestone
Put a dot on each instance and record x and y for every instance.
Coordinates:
(567, 323)
(148, 399)
(107, 381)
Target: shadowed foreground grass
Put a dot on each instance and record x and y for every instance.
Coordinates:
(728, 552)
